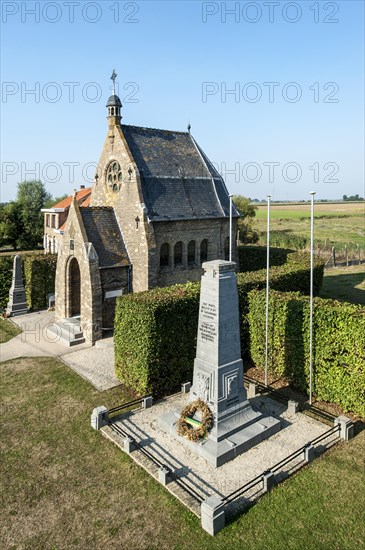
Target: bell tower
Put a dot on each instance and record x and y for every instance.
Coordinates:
(114, 106)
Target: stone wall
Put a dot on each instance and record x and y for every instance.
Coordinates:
(216, 232)
(112, 279)
(128, 205)
(74, 245)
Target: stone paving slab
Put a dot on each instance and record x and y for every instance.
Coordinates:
(94, 363)
(297, 430)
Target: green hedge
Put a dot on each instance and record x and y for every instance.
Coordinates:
(155, 338)
(253, 258)
(338, 345)
(6, 274)
(40, 275)
(155, 331)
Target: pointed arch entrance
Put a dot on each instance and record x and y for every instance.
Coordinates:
(74, 288)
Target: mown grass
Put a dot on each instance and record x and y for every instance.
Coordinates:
(7, 331)
(65, 486)
(347, 284)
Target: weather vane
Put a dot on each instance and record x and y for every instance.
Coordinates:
(113, 77)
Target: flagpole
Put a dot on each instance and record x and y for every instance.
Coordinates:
(312, 193)
(267, 291)
(230, 227)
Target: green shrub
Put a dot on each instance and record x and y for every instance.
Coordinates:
(6, 274)
(40, 274)
(338, 345)
(155, 331)
(155, 338)
(253, 258)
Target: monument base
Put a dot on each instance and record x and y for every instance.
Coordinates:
(16, 309)
(253, 428)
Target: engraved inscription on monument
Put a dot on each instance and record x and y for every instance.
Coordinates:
(208, 327)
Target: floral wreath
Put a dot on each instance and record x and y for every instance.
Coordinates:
(192, 429)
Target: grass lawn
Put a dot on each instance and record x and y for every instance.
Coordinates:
(347, 283)
(65, 486)
(7, 330)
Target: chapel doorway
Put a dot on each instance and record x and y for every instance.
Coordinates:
(75, 288)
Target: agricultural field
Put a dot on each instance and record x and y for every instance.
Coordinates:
(336, 224)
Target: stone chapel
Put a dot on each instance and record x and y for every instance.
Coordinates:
(158, 209)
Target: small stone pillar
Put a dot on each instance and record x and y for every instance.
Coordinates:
(346, 427)
(99, 417)
(17, 304)
(164, 475)
(212, 515)
(129, 445)
(293, 407)
(268, 480)
(185, 387)
(309, 453)
(252, 390)
(147, 403)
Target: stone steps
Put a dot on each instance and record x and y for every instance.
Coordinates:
(68, 331)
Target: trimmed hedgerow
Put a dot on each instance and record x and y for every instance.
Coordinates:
(155, 337)
(155, 331)
(253, 258)
(6, 275)
(40, 274)
(338, 345)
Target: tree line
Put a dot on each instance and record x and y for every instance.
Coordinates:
(21, 221)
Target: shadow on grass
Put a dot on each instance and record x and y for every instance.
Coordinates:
(344, 287)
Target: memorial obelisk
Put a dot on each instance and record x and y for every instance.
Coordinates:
(17, 304)
(218, 373)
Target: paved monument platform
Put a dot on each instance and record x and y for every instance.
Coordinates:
(143, 426)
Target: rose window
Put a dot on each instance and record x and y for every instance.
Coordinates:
(114, 176)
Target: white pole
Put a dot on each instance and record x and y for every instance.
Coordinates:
(311, 302)
(267, 292)
(230, 227)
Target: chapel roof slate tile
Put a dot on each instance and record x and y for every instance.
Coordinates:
(103, 231)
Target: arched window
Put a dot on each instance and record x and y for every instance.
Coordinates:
(191, 253)
(226, 249)
(164, 254)
(178, 250)
(204, 251)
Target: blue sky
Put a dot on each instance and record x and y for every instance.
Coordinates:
(177, 62)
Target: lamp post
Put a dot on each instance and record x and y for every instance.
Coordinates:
(267, 291)
(230, 227)
(312, 193)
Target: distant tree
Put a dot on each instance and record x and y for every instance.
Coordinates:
(31, 198)
(352, 198)
(247, 211)
(10, 224)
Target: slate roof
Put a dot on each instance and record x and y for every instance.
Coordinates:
(178, 180)
(103, 231)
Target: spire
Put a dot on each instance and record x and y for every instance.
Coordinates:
(114, 105)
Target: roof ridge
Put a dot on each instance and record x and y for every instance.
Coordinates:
(155, 129)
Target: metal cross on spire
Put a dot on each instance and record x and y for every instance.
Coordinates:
(113, 77)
